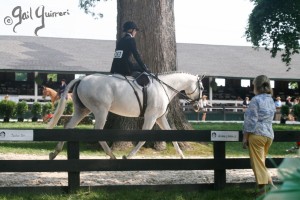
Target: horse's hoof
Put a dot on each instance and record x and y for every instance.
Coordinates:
(112, 156)
(52, 156)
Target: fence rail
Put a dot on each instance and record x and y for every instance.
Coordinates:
(73, 165)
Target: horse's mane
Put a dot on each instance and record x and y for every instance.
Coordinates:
(173, 72)
(50, 88)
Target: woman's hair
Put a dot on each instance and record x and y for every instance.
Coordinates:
(262, 85)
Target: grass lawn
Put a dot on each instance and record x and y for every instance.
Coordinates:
(138, 194)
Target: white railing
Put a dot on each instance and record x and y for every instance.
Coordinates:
(30, 99)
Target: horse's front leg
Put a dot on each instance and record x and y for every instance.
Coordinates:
(164, 125)
(107, 150)
(148, 124)
(57, 150)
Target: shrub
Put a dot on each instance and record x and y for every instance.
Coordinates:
(285, 110)
(21, 109)
(69, 108)
(36, 110)
(296, 109)
(7, 109)
(47, 108)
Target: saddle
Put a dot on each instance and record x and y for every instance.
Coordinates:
(142, 80)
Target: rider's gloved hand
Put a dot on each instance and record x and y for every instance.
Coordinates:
(146, 69)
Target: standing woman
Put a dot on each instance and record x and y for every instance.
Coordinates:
(258, 131)
(246, 104)
(205, 105)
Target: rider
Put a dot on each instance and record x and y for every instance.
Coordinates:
(126, 47)
(62, 87)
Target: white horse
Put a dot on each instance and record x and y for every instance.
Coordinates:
(99, 94)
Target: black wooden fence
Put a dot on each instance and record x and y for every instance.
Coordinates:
(73, 165)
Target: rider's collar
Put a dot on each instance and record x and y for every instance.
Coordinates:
(129, 34)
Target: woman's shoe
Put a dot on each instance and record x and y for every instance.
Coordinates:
(261, 192)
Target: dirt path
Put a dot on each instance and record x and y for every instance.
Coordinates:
(117, 178)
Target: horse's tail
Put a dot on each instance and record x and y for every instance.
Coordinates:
(62, 104)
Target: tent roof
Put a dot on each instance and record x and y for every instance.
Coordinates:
(22, 53)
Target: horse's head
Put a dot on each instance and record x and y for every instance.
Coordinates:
(45, 92)
(196, 94)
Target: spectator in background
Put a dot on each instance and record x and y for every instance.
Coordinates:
(246, 103)
(205, 105)
(296, 101)
(278, 102)
(278, 105)
(296, 147)
(288, 102)
(239, 98)
(49, 83)
(258, 133)
(6, 97)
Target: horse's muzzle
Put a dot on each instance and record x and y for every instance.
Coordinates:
(197, 106)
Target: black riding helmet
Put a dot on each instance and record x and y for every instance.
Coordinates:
(129, 25)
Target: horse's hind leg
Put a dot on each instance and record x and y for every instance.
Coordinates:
(164, 125)
(56, 151)
(100, 119)
(75, 119)
(148, 124)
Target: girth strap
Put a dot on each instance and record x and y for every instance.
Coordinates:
(144, 106)
(145, 97)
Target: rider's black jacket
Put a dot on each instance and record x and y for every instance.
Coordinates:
(126, 47)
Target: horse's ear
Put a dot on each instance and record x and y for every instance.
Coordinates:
(201, 77)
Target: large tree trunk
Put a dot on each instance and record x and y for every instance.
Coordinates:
(157, 45)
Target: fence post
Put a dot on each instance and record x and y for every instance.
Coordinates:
(219, 174)
(224, 115)
(73, 176)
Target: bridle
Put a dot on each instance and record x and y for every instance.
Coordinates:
(199, 87)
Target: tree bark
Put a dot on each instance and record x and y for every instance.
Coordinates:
(156, 43)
